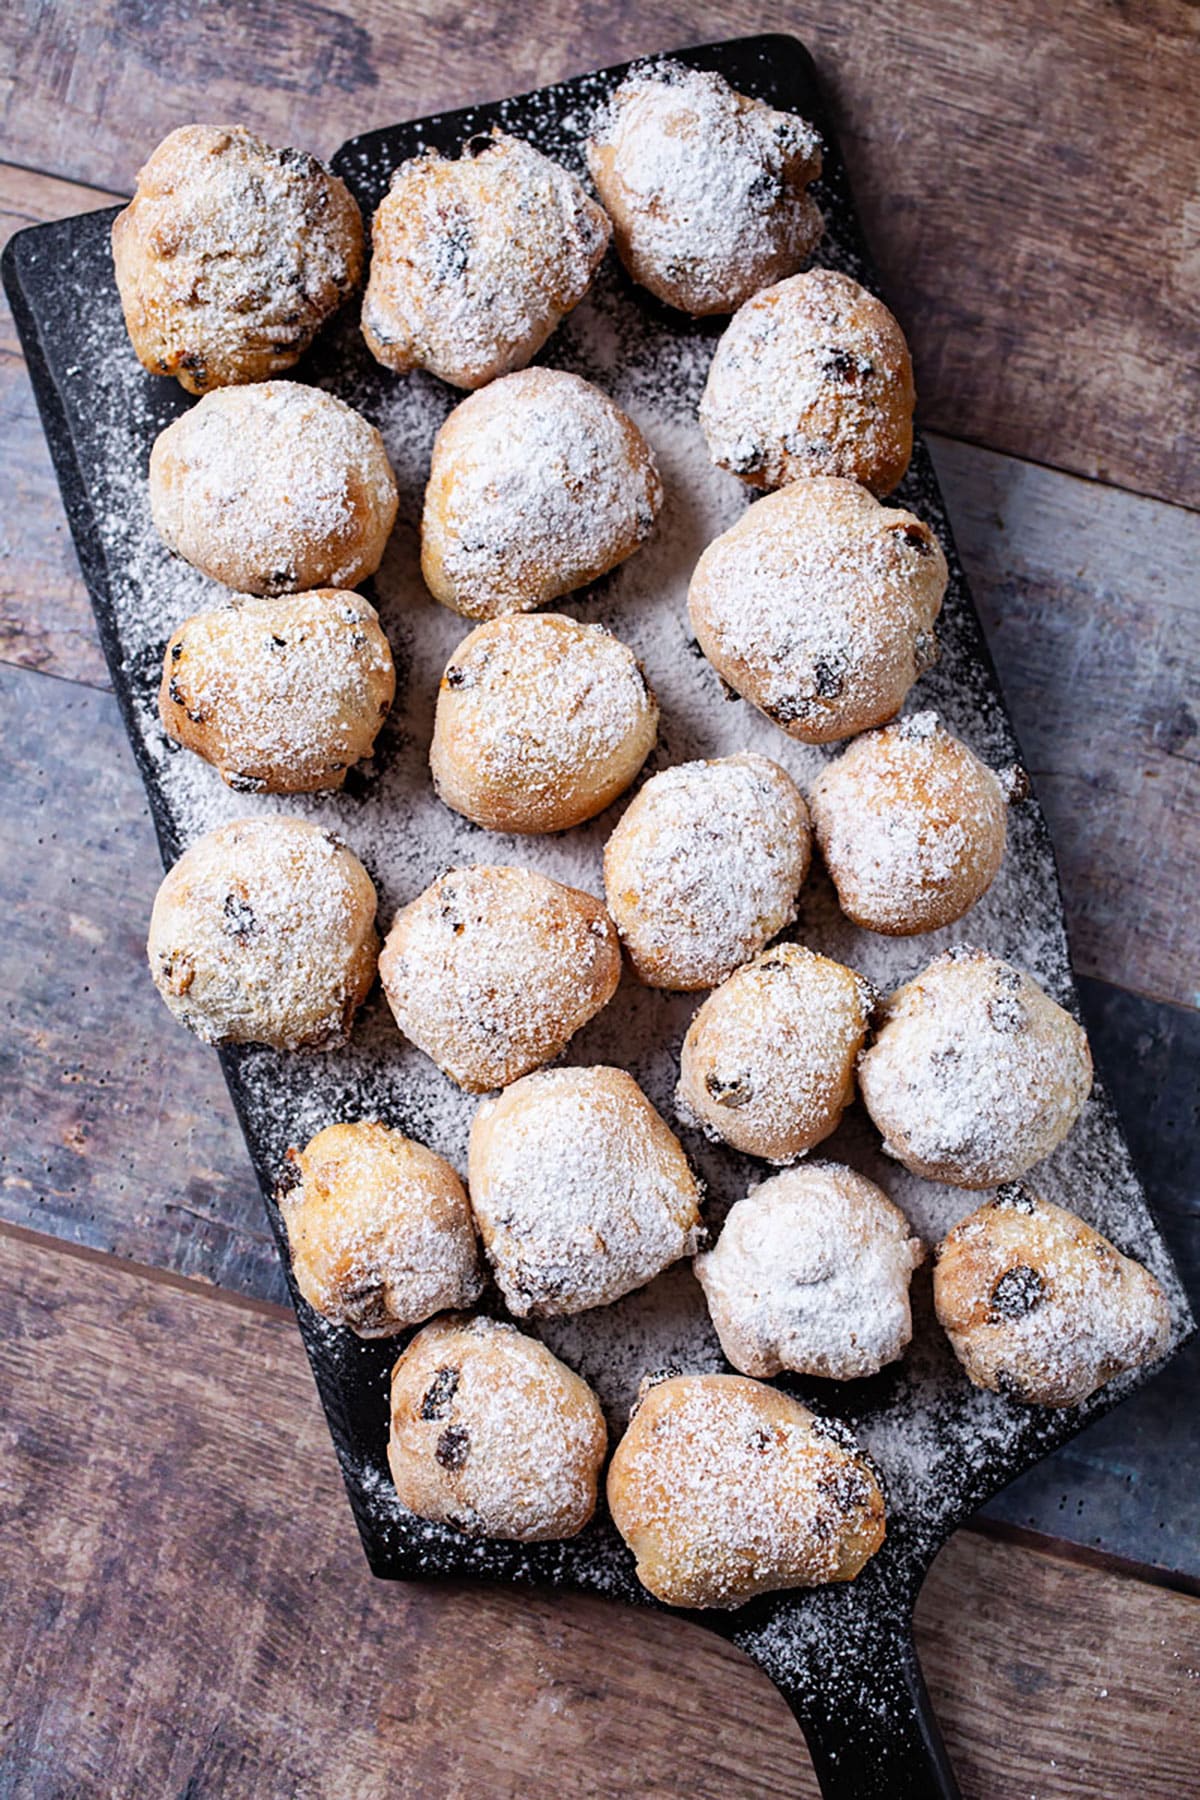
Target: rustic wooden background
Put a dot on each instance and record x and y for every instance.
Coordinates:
(183, 1605)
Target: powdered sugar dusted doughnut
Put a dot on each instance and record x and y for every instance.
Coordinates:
(475, 261)
(911, 825)
(976, 1074)
(274, 488)
(813, 377)
(768, 1061)
(724, 1489)
(491, 1434)
(818, 607)
(811, 1273)
(379, 1228)
(283, 696)
(492, 970)
(580, 1191)
(704, 868)
(707, 189)
(264, 933)
(231, 255)
(1040, 1307)
(538, 485)
(541, 722)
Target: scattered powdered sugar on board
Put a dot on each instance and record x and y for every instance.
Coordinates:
(941, 1446)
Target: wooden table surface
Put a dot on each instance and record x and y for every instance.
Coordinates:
(184, 1609)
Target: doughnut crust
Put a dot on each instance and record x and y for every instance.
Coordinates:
(491, 1434)
(813, 377)
(768, 1061)
(274, 488)
(723, 1488)
(811, 1273)
(911, 825)
(818, 606)
(704, 868)
(539, 484)
(976, 1074)
(707, 189)
(580, 1191)
(264, 933)
(541, 723)
(475, 261)
(281, 696)
(492, 970)
(1039, 1306)
(231, 256)
(379, 1229)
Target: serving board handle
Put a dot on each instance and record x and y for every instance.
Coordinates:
(871, 1729)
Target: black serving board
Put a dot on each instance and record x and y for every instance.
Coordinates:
(843, 1656)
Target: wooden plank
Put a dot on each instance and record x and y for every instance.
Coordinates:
(1025, 174)
(45, 615)
(185, 1607)
(115, 1127)
(1091, 607)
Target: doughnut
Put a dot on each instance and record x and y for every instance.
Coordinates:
(768, 1061)
(492, 970)
(539, 484)
(476, 260)
(975, 1074)
(812, 377)
(811, 1273)
(492, 1435)
(704, 868)
(723, 1488)
(580, 1191)
(911, 826)
(379, 1229)
(1039, 1306)
(264, 933)
(541, 723)
(281, 696)
(274, 488)
(707, 189)
(231, 256)
(818, 606)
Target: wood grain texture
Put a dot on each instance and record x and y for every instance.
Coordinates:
(1027, 176)
(192, 1614)
(45, 615)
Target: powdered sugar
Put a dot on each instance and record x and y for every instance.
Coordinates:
(708, 193)
(538, 485)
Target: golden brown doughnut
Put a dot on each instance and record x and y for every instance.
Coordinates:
(476, 260)
(911, 825)
(231, 256)
(541, 723)
(1039, 1306)
(704, 868)
(264, 933)
(818, 606)
(707, 189)
(580, 1191)
(282, 696)
(975, 1074)
(811, 1273)
(491, 1434)
(813, 377)
(539, 484)
(768, 1061)
(379, 1229)
(723, 1488)
(492, 970)
(274, 488)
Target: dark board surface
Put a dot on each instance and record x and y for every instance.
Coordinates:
(794, 1638)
